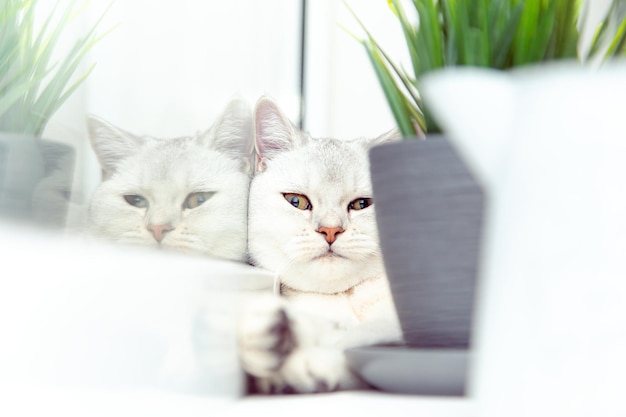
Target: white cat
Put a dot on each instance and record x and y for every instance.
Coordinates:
(187, 193)
(312, 221)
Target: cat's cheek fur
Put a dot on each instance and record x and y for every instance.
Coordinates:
(272, 221)
(221, 226)
(110, 217)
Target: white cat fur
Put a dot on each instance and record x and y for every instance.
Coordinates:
(165, 172)
(329, 301)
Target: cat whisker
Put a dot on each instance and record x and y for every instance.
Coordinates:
(304, 248)
(357, 244)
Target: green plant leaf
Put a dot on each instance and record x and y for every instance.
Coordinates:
(502, 52)
(32, 88)
(500, 34)
(618, 45)
(395, 99)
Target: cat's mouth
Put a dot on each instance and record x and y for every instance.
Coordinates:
(328, 255)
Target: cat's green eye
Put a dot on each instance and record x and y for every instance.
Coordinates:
(360, 203)
(194, 200)
(136, 200)
(299, 201)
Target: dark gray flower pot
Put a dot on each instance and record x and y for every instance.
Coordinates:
(429, 212)
(35, 179)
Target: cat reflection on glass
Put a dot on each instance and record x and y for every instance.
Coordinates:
(312, 222)
(188, 193)
(53, 200)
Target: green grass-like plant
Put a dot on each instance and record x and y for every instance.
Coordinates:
(32, 86)
(499, 34)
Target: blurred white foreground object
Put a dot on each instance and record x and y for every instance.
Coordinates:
(87, 321)
(549, 145)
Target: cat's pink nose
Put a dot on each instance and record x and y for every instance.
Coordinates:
(330, 233)
(159, 230)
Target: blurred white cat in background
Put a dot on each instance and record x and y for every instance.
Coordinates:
(186, 193)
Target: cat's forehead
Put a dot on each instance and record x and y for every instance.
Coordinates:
(336, 160)
(326, 166)
(180, 161)
(336, 150)
(172, 147)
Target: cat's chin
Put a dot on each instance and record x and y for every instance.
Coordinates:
(329, 274)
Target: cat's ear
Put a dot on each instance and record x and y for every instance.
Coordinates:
(231, 132)
(390, 136)
(110, 143)
(273, 132)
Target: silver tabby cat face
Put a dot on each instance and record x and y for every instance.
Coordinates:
(186, 193)
(311, 213)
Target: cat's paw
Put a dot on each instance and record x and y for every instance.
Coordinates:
(311, 370)
(265, 336)
(279, 347)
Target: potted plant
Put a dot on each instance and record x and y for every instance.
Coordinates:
(429, 207)
(32, 88)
